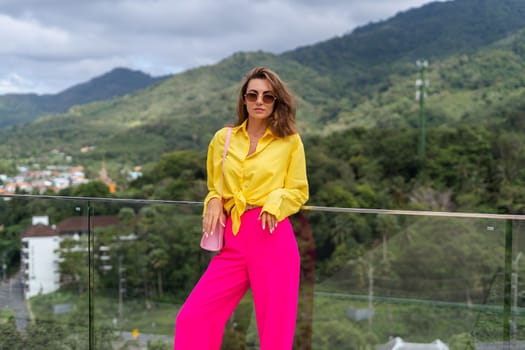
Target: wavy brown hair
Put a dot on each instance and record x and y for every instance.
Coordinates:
(282, 119)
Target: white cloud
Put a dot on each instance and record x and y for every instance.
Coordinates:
(54, 44)
(26, 36)
(14, 83)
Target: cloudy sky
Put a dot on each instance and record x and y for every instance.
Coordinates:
(47, 46)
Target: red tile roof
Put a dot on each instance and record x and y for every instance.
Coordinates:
(39, 230)
(80, 223)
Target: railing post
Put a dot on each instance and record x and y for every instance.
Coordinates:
(507, 297)
(91, 308)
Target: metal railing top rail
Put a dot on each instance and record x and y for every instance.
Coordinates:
(306, 207)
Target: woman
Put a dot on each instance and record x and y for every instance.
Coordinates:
(264, 182)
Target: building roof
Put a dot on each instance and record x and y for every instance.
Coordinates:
(77, 224)
(39, 230)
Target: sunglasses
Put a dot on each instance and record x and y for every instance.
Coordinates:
(266, 98)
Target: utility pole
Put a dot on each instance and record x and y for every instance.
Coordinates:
(121, 286)
(515, 294)
(370, 294)
(421, 86)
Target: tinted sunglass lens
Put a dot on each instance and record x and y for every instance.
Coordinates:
(268, 99)
(251, 97)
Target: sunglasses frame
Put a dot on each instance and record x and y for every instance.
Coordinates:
(251, 93)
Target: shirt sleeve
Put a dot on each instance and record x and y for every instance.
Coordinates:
(288, 200)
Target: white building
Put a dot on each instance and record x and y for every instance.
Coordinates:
(399, 344)
(39, 260)
(40, 249)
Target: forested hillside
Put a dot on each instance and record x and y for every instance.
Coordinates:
(23, 108)
(434, 31)
(365, 78)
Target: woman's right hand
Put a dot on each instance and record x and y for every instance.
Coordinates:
(214, 213)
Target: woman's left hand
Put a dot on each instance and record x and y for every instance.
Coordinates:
(268, 220)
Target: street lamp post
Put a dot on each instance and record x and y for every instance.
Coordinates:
(421, 86)
(4, 269)
(4, 264)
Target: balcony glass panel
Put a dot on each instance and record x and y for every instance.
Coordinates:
(368, 279)
(44, 293)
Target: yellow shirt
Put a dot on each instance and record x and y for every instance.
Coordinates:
(273, 177)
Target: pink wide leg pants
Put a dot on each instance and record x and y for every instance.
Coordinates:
(266, 263)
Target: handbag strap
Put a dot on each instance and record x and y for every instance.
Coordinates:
(226, 144)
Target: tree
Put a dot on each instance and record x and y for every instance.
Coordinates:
(73, 267)
(10, 338)
(158, 259)
(91, 189)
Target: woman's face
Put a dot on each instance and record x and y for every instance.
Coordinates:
(260, 107)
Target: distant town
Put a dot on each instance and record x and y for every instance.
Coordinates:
(40, 179)
(52, 177)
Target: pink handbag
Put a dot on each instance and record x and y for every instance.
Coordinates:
(215, 242)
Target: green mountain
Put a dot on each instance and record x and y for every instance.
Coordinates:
(23, 108)
(178, 113)
(434, 31)
(365, 78)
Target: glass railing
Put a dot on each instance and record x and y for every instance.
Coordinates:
(95, 273)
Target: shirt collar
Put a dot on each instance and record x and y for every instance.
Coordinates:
(242, 128)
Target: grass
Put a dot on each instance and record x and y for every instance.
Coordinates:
(151, 317)
(391, 318)
(158, 318)
(5, 314)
